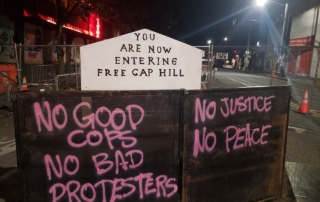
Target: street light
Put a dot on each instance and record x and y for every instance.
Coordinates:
(225, 39)
(261, 2)
(209, 42)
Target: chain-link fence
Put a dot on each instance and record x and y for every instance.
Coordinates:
(49, 67)
(270, 66)
(8, 89)
(298, 60)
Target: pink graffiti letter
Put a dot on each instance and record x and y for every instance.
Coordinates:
(94, 133)
(49, 163)
(101, 110)
(123, 115)
(90, 117)
(72, 159)
(208, 148)
(53, 191)
(263, 134)
(101, 163)
(212, 105)
(123, 163)
(129, 109)
(130, 153)
(228, 138)
(116, 188)
(125, 138)
(84, 188)
(200, 110)
(239, 137)
(197, 145)
(40, 117)
(140, 178)
(71, 143)
(174, 186)
(225, 114)
(160, 182)
(55, 112)
(149, 183)
(103, 187)
(267, 103)
(72, 194)
(125, 184)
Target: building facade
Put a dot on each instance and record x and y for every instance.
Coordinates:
(305, 31)
(34, 24)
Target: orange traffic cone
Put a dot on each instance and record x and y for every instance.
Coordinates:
(24, 86)
(304, 107)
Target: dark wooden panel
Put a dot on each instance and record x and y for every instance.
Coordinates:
(155, 136)
(230, 166)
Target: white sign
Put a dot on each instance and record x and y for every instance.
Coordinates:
(142, 60)
(222, 56)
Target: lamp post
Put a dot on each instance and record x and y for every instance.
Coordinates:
(209, 66)
(282, 42)
(263, 2)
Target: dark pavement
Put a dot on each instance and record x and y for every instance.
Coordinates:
(7, 140)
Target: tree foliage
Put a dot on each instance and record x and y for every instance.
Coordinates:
(131, 15)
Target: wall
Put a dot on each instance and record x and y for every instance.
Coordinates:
(6, 40)
(33, 35)
(303, 26)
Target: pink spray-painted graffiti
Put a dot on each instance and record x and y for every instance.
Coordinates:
(233, 106)
(241, 137)
(106, 132)
(144, 183)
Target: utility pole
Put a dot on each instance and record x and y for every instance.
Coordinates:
(249, 37)
(285, 21)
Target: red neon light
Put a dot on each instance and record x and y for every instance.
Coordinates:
(98, 28)
(74, 28)
(25, 13)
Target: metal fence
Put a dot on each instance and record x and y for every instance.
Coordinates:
(8, 89)
(298, 60)
(270, 66)
(57, 68)
(49, 67)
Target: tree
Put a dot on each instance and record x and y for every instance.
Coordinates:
(132, 15)
(126, 15)
(63, 12)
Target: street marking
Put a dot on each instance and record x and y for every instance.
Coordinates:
(294, 105)
(234, 79)
(9, 146)
(298, 130)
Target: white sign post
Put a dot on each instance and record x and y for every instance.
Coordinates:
(142, 60)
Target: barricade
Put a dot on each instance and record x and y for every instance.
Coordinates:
(152, 145)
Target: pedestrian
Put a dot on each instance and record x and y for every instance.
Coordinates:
(281, 66)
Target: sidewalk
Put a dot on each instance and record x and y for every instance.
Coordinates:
(7, 139)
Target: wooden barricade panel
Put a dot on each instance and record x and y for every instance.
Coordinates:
(234, 144)
(99, 146)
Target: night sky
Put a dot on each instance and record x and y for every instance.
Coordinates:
(200, 20)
